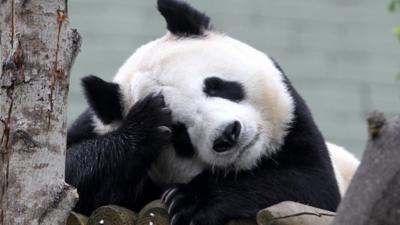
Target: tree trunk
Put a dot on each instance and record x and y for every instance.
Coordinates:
(38, 50)
(373, 197)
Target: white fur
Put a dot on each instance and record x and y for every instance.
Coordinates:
(177, 67)
(344, 164)
(100, 128)
(169, 169)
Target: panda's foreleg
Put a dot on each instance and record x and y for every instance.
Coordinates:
(208, 200)
(110, 168)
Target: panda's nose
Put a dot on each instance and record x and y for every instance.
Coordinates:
(229, 137)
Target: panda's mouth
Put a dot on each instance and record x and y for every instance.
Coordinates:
(251, 143)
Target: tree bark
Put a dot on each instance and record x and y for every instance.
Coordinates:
(38, 50)
(373, 197)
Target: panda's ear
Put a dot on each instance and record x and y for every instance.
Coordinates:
(182, 19)
(104, 98)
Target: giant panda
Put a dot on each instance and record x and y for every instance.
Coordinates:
(205, 122)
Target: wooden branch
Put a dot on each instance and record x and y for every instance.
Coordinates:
(293, 213)
(112, 215)
(373, 197)
(155, 213)
(38, 50)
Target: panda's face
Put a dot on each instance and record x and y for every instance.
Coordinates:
(229, 98)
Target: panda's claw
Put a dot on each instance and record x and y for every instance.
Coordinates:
(166, 110)
(182, 205)
(167, 195)
(190, 206)
(165, 131)
(171, 207)
(173, 220)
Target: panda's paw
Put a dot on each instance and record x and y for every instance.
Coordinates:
(186, 207)
(148, 122)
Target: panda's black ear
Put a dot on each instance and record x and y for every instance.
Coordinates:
(182, 19)
(104, 98)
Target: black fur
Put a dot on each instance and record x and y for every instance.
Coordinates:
(181, 140)
(82, 128)
(112, 168)
(216, 87)
(210, 201)
(182, 19)
(103, 96)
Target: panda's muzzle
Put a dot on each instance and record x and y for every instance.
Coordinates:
(229, 137)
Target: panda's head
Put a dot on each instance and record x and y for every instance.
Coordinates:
(229, 102)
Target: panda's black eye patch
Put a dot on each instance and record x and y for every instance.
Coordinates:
(216, 87)
(181, 141)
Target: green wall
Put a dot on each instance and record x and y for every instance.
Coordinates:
(340, 54)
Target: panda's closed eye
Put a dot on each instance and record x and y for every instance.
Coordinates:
(216, 87)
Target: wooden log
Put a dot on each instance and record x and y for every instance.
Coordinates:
(154, 213)
(373, 197)
(293, 213)
(112, 215)
(77, 219)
